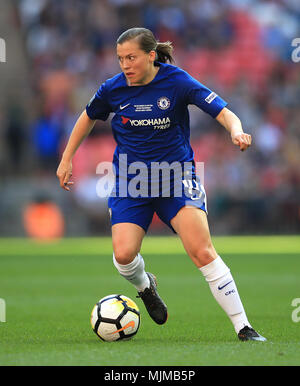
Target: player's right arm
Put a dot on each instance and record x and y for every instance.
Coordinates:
(81, 130)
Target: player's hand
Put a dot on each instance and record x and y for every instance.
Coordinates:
(64, 173)
(242, 140)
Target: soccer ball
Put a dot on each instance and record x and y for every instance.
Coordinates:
(115, 317)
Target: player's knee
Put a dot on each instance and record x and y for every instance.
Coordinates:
(125, 254)
(205, 254)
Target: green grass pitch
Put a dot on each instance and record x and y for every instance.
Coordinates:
(50, 289)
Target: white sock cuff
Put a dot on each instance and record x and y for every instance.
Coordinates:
(214, 270)
(124, 268)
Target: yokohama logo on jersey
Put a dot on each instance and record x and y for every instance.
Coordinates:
(157, 123)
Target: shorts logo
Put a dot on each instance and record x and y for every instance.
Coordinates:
(163, 103)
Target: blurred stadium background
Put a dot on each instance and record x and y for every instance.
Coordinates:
(58, 52)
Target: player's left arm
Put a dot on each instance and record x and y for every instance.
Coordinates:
(233, 125)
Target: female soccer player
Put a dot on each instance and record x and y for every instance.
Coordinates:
(150, 99)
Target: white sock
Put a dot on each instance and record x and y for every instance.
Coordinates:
(134, 272)
(224, 290)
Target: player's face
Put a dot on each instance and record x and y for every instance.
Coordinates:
(137, 65)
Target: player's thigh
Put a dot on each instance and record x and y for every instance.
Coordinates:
(127, 240)
(191, 225)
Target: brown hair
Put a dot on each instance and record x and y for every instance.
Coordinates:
(148, 43)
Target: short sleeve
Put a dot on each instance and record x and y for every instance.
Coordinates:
(98, 107)
(201, 96)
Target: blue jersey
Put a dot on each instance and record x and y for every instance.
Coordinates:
(151, 122)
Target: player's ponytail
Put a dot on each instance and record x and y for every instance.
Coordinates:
(164, 52)
(148, 43)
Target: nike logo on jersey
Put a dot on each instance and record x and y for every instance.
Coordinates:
(123, 107)
(219, 288)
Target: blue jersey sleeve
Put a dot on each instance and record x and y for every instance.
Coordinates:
(98, 107)
(201, 96)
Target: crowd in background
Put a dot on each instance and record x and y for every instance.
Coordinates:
(240, 49)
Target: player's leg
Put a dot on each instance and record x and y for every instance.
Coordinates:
(127, 240)
(192, 227)
(130, 219)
